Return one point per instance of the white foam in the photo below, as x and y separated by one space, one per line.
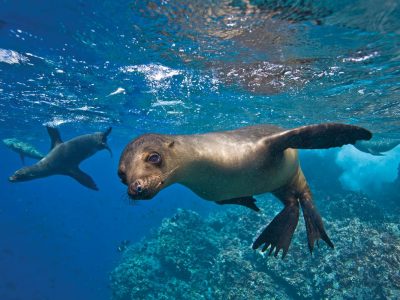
57 121
12 57
167 103
152 72
119 90
361 58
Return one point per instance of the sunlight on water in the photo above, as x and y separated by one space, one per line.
11 57
305 58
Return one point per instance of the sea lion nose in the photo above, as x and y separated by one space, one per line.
136 188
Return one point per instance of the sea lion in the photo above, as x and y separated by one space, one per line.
377 146
230 167
64 158
23 149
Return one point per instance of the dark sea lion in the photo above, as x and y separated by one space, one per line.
64 158
377 147
23 149
230 167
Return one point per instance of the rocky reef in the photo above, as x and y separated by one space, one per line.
190 257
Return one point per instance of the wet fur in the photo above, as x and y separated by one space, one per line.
225 166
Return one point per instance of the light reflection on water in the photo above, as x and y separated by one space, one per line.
186 62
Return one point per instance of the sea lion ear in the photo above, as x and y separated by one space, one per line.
171 144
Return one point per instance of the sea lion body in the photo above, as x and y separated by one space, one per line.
64 158
230 167
233 164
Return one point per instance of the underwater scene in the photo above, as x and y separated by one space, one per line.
180 149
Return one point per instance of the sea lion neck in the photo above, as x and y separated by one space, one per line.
189 152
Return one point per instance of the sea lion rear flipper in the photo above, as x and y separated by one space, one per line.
83 178
318 136
54 136
105 135
278 234
107 132
314 225
249 202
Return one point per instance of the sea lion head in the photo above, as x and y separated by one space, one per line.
23 174
146 165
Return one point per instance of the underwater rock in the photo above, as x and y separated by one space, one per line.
351 205
190 257
123 245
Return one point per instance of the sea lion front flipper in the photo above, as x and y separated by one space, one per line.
318 136
249 202
314 225
54 136
83 178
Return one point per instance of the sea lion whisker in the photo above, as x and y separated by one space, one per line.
167 174
164 176
125 198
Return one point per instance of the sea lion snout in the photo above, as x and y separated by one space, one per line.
144 188
136 188
19 175
12 178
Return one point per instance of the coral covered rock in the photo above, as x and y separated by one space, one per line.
194 258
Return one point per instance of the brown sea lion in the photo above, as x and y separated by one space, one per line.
230 167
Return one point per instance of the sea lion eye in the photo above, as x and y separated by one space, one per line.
154 158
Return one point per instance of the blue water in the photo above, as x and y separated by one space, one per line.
171 67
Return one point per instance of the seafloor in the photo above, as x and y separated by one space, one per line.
191 257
